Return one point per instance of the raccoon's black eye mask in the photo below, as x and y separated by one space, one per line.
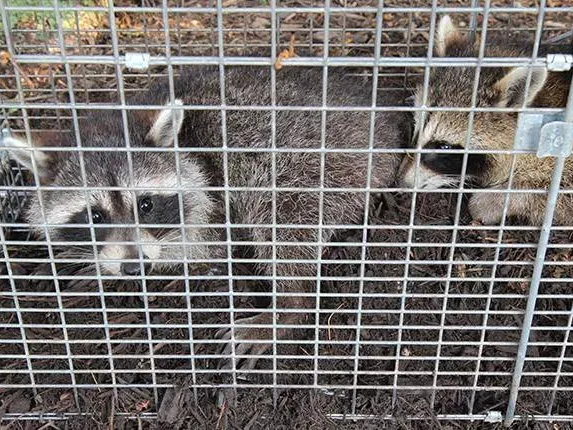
152 209
82 233
451 164
158 209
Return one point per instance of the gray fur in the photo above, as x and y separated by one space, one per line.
247 129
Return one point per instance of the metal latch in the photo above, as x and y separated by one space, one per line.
137 61
546 134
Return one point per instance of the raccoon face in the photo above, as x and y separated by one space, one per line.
117 191
447 132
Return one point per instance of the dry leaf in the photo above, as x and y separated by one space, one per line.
285 54
4 58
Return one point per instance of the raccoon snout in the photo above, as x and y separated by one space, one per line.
134 269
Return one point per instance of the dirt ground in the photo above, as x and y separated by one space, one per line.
419 306
302 408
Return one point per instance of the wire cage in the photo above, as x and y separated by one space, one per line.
412 314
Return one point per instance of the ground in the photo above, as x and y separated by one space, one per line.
466 301
438 318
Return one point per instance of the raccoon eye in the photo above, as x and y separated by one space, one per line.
145 205
440 144
97 217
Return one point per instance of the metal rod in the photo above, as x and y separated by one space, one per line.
297 61
553 194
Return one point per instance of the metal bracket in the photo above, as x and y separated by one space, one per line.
556 140
559 62
493 417
546 134
3 135
137 61
4 157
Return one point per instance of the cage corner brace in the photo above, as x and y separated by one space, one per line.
547 134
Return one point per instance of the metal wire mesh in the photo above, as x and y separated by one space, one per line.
416 313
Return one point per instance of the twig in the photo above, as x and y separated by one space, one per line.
223 408
112 413
330 318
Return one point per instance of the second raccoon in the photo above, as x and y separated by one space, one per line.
445 130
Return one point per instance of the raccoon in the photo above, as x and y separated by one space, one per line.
443 131
153 182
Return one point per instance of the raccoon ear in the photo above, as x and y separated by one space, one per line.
511 87
25 154
447 37
167 125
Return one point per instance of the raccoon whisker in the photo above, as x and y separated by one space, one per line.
80 248
75 248
163 232
81 259
76 251
79 271
451 182
76 269
74 254
87 269
84 272
440 181
170 236
79 255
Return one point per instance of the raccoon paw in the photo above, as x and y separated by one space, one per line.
486 208
242 345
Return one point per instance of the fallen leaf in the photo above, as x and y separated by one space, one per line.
4 58
285 54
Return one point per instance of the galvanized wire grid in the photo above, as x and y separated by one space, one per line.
473 330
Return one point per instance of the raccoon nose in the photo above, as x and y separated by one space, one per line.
134 269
